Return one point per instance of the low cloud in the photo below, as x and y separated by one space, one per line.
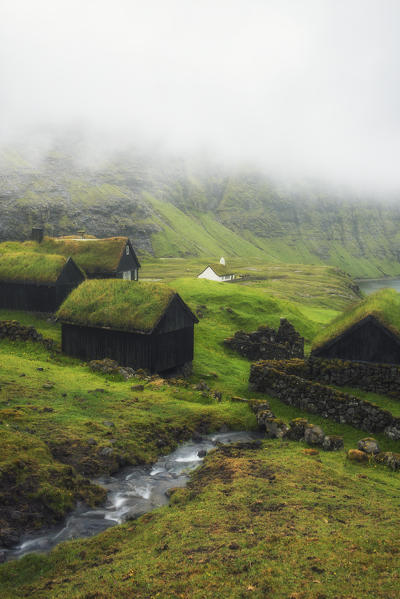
307 88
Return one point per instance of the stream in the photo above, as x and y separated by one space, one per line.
132 492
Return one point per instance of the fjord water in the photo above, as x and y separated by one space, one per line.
132 492
368 286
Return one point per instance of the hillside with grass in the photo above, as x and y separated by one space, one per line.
173 208
277 520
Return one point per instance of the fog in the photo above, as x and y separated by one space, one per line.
298 88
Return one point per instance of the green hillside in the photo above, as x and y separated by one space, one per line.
277 521
179 209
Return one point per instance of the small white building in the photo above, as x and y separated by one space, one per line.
217 272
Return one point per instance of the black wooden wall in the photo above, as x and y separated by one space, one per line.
23 296
368 342
156 352
33 298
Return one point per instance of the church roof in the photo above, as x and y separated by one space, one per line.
219 269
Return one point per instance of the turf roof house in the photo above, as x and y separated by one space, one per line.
146 325
112 257
217 272
32 282
368 331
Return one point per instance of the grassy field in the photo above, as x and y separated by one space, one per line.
268 523
324 287
273 522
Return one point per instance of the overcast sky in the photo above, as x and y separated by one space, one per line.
297 86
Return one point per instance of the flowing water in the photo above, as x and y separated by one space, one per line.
370 285
132 492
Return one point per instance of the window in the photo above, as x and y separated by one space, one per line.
126 274
127 250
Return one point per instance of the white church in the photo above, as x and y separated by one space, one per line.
217 272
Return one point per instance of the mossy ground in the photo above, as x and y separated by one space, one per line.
268 523
272 522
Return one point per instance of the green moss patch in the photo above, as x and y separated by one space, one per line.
93 255
117 304
273 522
384 305
29 267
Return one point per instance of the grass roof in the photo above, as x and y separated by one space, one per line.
117 304
93 255
384 305
220 269
24 267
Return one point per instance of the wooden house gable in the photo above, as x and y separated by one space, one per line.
368 340
70 274
128 259
176 316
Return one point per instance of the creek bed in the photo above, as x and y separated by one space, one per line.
132 492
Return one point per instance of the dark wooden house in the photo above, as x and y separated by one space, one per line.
141 325
29 281
368 332
108 258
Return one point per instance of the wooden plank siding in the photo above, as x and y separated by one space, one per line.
155 352
367 341
29 297
34 297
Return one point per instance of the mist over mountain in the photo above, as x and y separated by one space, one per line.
172 207
261 129
296 89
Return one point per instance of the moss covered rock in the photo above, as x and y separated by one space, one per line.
355 455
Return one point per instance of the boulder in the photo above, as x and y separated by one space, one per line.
237 399
332 443
369 446
392 432
257 405
275 428
313 434
106 452
263 416
355 455
390 459
297 428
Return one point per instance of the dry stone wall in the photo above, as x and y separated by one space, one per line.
268 344
15 331
377 378
314 397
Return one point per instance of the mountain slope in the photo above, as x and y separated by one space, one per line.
171 208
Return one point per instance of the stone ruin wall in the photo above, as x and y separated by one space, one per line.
268 344
368 376
15 331
278 379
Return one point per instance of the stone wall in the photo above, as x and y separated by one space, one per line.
377 378
319 399
15 331
268 344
